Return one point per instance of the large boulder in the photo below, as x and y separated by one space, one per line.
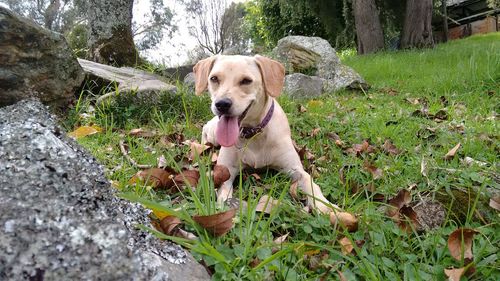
314 55
59 218
144 87
299 85
35 62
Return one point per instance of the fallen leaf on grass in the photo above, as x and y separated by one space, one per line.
139 132
336 139
84 131
315 132
266 204
452 152
408 220
280 239
469 161
346 246
374 171
217 224
169 223
423 167
454 274
155 177
221 175
187 177
459 237
358 149
396 203
301 108
344 220
196 149
254 262
390 148
495 203
304 152
256 176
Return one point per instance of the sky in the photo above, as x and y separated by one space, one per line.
172 51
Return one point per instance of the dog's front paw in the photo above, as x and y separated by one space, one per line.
224 194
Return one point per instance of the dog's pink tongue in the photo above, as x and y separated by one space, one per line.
227 131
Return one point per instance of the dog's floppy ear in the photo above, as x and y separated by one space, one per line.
201 71
273 75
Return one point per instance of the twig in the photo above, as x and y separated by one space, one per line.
129 159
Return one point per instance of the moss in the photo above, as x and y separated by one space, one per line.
459 203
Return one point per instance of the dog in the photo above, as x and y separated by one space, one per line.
249 124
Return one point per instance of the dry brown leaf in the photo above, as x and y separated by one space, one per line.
187 177
454 274
256 176
84 131
390 148
423 167
495 203
452 152
358 149
346 246
301 108
408 220
196 149
374 171
280 239
315 132
455 240
217 224
344 220
139 132
169 223
221 175
396 203
266 204
155 177
254 262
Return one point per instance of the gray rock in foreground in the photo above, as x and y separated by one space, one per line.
35 62
59 218
299 85
316 56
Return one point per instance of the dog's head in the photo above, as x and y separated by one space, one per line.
237 83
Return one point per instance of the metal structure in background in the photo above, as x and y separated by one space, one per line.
464 18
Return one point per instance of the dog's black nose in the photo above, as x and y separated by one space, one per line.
223 105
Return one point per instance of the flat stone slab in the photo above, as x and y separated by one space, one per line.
59 217
146 87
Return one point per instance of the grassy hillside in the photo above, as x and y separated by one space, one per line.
424 102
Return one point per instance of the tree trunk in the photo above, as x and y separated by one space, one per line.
110 35
370 37
417 29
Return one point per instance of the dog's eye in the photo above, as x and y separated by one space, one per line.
214 79
246 81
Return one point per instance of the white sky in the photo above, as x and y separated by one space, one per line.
171 51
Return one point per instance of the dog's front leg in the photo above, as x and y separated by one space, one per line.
230 158
290 164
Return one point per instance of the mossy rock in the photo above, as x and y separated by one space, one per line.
459 203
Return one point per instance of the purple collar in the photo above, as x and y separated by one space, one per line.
248 132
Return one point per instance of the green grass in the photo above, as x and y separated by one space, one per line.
465 72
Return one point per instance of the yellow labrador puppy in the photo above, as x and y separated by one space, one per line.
249 124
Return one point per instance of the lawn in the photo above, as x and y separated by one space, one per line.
424 102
